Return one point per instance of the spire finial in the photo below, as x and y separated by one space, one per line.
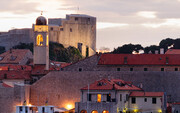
41 12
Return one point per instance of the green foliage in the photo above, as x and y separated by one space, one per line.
24 46
167 43
151 48
2 49
128 49
57 52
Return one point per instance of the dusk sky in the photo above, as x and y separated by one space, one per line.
119 22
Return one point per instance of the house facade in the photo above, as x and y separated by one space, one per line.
118 96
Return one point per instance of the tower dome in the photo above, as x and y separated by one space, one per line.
41 21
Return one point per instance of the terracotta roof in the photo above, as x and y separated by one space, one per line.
6 85
177 103
139 59
39 70
146 94
15 75
16 67
116 84
173 51
13 56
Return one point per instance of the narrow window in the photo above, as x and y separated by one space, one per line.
145 99
70 29
108 97
80 69
127 96
118 69
176 69
61 29
88 97
133 100
98 97
76 18
145 69
120 97
162 69
131 69
87 51
153 100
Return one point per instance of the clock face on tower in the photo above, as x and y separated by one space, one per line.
39 40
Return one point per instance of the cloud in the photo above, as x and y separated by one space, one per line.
18 6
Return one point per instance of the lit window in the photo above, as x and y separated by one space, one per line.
98 97
83 111
39 40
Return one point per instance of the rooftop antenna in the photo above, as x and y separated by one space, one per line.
78 10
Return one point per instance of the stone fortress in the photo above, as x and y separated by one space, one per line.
76 30
62 87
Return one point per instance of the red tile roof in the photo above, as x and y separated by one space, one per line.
116 84
15 67
13 56
39 70
177 103
146 94
173 51
6 85
15 75
139 59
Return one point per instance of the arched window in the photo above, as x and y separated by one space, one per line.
39 40
105 111
83 111
94 111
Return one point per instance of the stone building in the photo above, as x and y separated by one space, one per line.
117 96
127 62
15 36
75 30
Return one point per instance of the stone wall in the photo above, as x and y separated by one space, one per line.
62 88
11 97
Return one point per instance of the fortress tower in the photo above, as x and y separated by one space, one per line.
41 42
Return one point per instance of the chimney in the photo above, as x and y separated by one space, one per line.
161 50
156 52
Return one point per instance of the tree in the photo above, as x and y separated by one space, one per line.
2 49
151 48
165 43
128 49
24 46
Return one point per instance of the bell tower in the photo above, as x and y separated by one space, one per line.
41 42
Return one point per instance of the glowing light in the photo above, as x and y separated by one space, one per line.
135 110
98 97
29 105
147 14
160 111
69 106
